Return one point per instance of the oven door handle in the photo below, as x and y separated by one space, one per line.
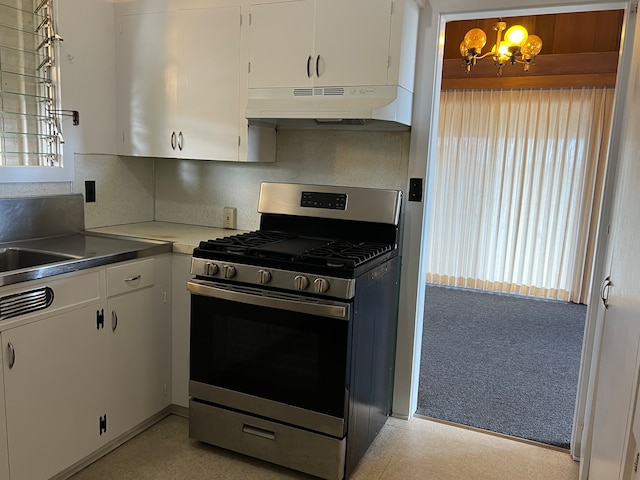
340 311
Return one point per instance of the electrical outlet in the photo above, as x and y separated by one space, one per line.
90 191
229 215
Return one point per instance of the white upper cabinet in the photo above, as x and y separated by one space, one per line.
281 42
180 86
319 43
352 42
146 90
207 70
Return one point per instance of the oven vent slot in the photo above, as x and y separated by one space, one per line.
25 302
319 92
334 91
302 92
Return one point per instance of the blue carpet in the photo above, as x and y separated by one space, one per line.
504 363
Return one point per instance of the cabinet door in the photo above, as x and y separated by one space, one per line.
352 42
146 84
140 360
208 105
280 39
55 392
4 451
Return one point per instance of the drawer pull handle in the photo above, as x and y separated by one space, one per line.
133 279
258 432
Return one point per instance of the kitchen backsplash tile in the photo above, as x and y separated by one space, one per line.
124 189
33 189
195 192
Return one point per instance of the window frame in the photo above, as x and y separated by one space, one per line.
44 174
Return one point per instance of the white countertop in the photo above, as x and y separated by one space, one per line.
184 237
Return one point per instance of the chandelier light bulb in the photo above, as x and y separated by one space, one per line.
463 49
476 39
531 47
516 36
501 54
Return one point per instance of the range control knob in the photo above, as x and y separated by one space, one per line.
320 285
300 282
210 269
228 271
264 276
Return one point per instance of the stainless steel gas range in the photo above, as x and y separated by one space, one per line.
293 328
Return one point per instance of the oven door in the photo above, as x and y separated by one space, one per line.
276 355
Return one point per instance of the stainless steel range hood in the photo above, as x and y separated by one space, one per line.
387 106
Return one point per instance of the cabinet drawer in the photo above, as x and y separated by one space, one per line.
302 450
130 276
34 299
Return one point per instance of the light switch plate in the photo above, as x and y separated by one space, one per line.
229 216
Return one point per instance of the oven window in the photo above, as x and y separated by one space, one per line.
292 358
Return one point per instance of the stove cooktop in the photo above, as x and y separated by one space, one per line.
281 248
310 242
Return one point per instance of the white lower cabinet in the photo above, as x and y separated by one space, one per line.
4 451
77 376
140 344
55 392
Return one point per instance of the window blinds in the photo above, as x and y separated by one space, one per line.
30 133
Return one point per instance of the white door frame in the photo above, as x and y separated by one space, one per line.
423 140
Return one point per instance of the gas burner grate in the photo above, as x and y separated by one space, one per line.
243 242
345 254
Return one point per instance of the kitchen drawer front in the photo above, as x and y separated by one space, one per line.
291 447
130 276
37 299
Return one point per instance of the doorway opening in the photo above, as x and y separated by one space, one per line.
486 252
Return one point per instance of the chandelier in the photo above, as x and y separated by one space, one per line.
516 46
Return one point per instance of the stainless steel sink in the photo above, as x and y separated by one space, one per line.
19 258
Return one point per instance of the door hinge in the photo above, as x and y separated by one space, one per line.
103 424
249 67
99 319
635 462
634 7
392 2
241 20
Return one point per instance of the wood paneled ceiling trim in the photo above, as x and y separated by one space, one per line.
579 49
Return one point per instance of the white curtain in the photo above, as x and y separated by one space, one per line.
516 178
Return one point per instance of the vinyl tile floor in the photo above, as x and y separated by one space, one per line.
404 450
